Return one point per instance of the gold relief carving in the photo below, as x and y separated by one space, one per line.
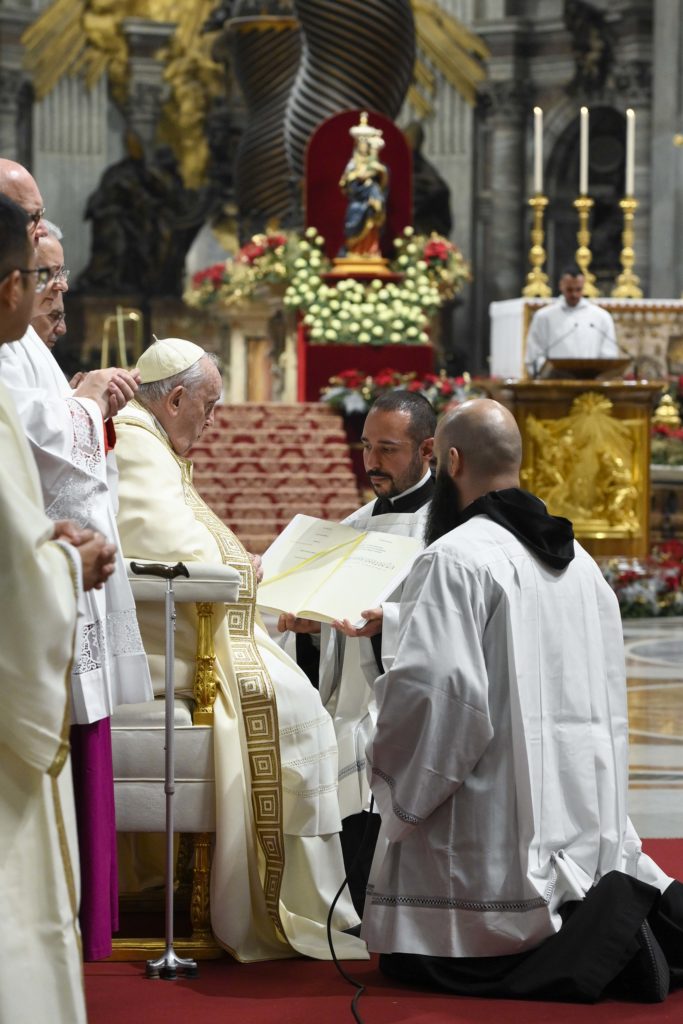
199 904
585 466
205 681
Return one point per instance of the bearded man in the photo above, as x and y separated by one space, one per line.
397 440
277 862
506 864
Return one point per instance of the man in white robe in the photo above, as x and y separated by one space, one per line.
506 864
397 440
41 575
277 862
570 328
70 442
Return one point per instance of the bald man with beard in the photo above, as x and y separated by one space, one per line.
506 864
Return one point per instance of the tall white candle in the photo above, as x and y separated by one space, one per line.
538 151
630 151
583 153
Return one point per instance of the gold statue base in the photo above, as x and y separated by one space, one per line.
358 265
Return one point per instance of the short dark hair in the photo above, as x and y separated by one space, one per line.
571 271
15 245
420 410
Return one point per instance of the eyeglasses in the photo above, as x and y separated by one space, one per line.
56 317
35 219
59 274
42 276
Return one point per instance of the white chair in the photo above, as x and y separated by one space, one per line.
138 756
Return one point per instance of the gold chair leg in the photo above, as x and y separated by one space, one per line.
199 905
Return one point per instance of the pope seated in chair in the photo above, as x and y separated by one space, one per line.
277 862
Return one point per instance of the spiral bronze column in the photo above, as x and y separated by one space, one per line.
264 50
356 54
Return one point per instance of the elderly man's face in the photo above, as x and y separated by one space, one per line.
51 254
51 326
21 187
189 412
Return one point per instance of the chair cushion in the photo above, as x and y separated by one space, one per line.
138 749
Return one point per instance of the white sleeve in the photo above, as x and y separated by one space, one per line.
433 721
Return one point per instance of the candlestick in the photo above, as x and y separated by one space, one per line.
630 152
583 153
583 206
538 151
627 285
536 279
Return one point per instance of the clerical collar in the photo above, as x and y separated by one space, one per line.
551 538
409 500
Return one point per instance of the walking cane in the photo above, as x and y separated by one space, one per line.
169 965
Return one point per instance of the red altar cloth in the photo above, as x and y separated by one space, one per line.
317 363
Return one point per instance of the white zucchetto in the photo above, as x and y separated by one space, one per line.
165 358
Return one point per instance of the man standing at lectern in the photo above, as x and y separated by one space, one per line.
570 328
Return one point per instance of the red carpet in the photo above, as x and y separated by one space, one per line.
309 992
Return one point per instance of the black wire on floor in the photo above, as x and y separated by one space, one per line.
345 975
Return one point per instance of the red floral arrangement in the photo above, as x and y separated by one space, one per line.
354 391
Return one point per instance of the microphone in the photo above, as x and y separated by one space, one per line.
538 364
613 339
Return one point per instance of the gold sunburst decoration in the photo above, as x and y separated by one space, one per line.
86 38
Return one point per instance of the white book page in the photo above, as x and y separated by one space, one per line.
366 577
299 561
327 571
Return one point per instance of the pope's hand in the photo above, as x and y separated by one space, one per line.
76 379
97 561
297 625
373 618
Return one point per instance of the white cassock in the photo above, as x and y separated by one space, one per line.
276 859
78 479
583 331
40 965
499 762
348 669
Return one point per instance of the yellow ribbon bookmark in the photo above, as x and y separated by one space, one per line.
353 543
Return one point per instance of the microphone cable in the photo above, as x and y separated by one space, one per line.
359 986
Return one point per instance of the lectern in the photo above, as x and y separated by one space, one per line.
587 451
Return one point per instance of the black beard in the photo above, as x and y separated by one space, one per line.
445 508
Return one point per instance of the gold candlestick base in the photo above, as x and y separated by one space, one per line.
627 285
536 280
583 206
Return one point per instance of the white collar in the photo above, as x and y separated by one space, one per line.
415 487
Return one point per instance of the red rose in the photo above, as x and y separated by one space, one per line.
437 250
274 241
415 385
250 252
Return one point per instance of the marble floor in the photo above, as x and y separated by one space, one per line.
654 668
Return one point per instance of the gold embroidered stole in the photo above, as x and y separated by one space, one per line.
255 687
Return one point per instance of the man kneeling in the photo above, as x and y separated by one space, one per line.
506 864
277 863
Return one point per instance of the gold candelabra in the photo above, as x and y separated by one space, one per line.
627 285
583 206
537 279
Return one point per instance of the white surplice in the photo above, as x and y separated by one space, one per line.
40 965
583 331
163 518
66 435
500 757
348 668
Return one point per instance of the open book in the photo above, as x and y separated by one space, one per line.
324 571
